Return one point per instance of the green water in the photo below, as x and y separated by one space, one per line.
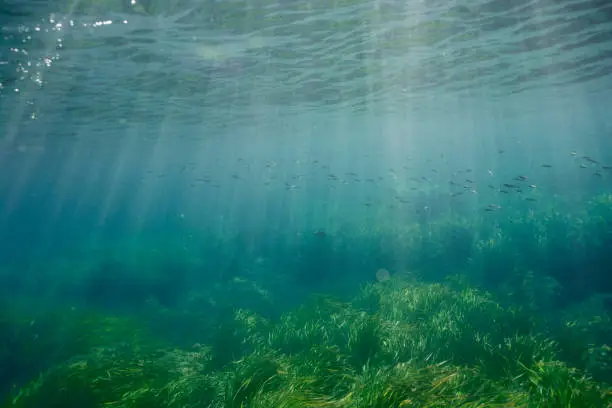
305 204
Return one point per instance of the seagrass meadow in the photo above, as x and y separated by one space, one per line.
305 203
501 323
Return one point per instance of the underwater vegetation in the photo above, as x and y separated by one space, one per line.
495 311
539 255
398 343
150 263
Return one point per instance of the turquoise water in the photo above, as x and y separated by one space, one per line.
179 162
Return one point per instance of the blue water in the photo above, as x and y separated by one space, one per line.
153 149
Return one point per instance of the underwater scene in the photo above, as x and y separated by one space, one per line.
305 203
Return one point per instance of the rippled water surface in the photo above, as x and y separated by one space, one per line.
223 61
